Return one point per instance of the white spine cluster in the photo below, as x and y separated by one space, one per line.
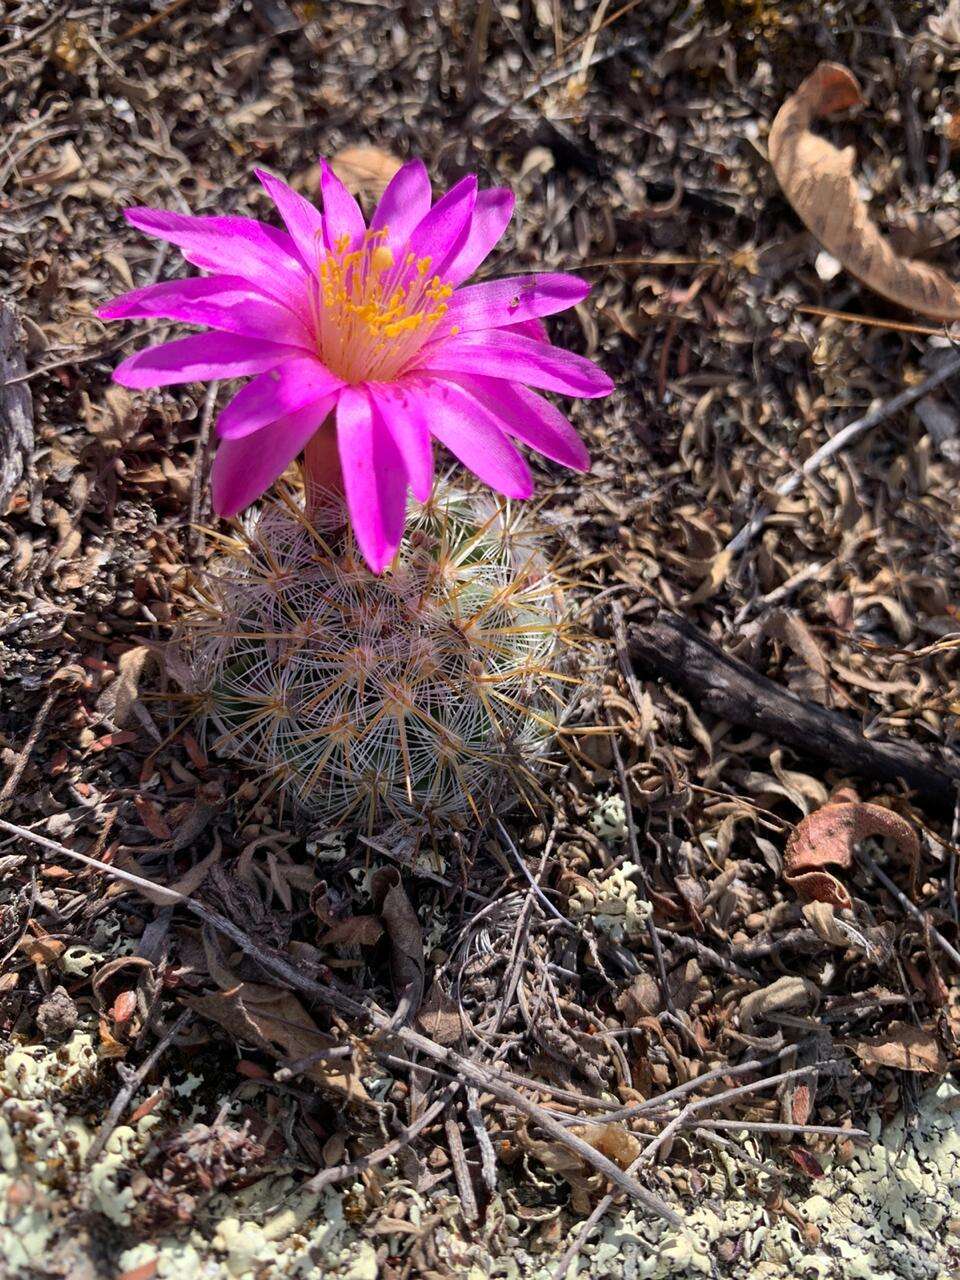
411 695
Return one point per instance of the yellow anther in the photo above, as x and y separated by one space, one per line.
381 259
369 306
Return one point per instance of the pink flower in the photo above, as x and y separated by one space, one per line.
369 327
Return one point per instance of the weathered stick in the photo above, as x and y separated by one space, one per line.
671 648
489 1079
16 406
846 436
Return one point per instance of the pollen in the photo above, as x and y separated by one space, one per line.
373 312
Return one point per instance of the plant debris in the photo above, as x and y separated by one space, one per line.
608 1028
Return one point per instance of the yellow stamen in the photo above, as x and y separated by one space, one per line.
373 314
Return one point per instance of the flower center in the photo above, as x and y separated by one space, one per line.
373 313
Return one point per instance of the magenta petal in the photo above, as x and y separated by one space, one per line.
342 218
405 415
301 218
496 354
530 418
403 204
534 329
374 478
441 234
491 216
222 302
204 357
237 246
513 300
273 395
474 435
243 469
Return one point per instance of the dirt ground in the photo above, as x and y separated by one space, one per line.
664 946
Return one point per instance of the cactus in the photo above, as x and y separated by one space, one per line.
414 695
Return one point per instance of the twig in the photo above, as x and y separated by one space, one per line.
947 947
458 1158
81 357
533 884
694 1108
669 647
488 1159
520 935
131 1085
634 43
195 540
909 115
694 947
340 1172
20 764
589 1226
28 37
468 1071
635 857
853 431
156 893
139 28
604 1204
771 1126
300 1065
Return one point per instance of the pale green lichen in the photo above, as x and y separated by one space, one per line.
612 901
892 1213
609 819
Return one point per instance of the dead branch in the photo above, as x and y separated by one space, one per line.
285 971
670 648
131 1085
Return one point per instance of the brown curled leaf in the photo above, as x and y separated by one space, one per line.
365 171
407 964
903 1047
829 837
818 180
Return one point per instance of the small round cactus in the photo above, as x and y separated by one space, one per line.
413 695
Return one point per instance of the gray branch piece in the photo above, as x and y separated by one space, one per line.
16 405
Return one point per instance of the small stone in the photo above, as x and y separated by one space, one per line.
57 1016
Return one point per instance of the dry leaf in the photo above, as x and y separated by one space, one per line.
788 993
439 1017
191 880
903 1047
406 937
365 171
146 1271
357 931
560 1160
611 1140
276 1022
829 836
109 970
821 919
43 950
717 575
817 178
946 26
